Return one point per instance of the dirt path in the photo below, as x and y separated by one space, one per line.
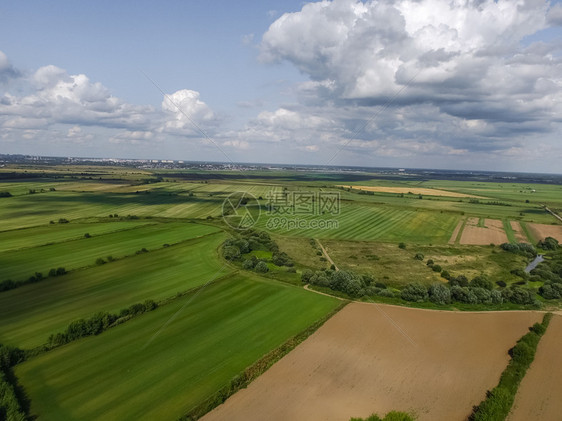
554 214
538 397
370 358
455 233
326 253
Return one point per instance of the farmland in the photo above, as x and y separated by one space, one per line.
32 312
542 383
122 374
16 264
437 365
224 298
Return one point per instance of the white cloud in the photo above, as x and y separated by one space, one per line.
461 63
54 97
184 111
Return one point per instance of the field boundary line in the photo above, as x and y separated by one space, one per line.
258 368
553 213
307 287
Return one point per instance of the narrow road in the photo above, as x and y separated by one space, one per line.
326 253
554 214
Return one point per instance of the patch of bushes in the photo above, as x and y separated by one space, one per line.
520 248
8 284
391 416
5 194
98 323
499 400
439 294
415 292
10 406
549 243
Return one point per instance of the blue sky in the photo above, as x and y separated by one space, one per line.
479 82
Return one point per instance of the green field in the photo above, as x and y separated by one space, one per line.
216 318
122 375
56 233
372 223
32 312
20 264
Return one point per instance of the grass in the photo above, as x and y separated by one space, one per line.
42 235
20 264
121 375
509 231
395 267
31 313
374 223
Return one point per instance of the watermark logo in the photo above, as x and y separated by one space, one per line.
302 203
302 210
241 210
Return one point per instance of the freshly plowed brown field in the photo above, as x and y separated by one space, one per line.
376 358
518 231
493 232
541 231
539 396
413 190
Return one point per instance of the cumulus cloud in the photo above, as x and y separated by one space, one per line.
7 71
465 78
54 97
185 112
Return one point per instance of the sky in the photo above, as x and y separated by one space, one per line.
450 84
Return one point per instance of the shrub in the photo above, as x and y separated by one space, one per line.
551 291
460 280
429 262
231 253
402 245
437 268
440 294
518 295
414 291
100 261
386 293
261 267
463 295
87 235
445 274
306 275
501 284
291 269
380 285
549 243
249 264
483 296
482 282
419 256
496 297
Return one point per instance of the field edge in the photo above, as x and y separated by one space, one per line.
258 368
